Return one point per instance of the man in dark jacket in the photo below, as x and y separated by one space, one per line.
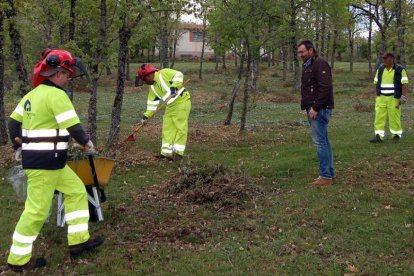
317 100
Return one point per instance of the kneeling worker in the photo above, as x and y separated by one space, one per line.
44 120
163 84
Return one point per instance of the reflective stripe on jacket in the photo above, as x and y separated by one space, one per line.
392 85
45 113
161 89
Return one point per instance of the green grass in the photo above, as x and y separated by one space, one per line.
366 219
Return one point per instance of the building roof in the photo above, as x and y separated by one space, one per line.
191 26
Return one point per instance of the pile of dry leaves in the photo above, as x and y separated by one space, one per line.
174 211
224 189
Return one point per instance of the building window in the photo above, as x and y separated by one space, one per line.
196 36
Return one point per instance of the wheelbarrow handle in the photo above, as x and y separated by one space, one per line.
100 191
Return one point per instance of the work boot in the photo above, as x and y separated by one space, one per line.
78 249
377 139
163 157
396 138
32 264
322 182
177 157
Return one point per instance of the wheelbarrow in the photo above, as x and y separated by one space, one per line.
94 173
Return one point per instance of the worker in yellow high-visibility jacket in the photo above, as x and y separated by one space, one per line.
163 84
43 121
391 85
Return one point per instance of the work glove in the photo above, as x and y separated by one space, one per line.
144 120
90 147
403 99
18 154
173 92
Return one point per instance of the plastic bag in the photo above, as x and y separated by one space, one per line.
18 179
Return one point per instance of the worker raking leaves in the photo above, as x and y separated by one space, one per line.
167 85
40 127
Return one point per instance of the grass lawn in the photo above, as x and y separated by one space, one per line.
363 224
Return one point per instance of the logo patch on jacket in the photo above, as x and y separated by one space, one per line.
27 106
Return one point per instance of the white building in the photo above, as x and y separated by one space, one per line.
190 43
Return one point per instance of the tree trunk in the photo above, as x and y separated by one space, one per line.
98 55
401 32
323 34
370 45
243 118
200 72
216 59
224 66
24 86
3 128
235 59
284 61
334 45
164 48
174 52
62 26
236 87
383 46
72 20
328 47
383 41
124 36
269 58
253 59
254 74
153 54
351 49
293 29
317 30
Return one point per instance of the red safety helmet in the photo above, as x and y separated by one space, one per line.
52 62
145 70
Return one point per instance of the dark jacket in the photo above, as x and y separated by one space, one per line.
317 89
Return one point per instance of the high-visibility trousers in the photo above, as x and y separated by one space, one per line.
175 128
387 105
40 191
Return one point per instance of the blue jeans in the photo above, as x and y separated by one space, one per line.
320 139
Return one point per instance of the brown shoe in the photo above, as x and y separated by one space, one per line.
333 179
78 249
32 264
322 182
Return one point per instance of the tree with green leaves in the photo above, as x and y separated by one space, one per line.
131 15
15 37
383 14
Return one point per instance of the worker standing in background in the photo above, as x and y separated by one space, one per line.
317 100
391 85
43 121
163 84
